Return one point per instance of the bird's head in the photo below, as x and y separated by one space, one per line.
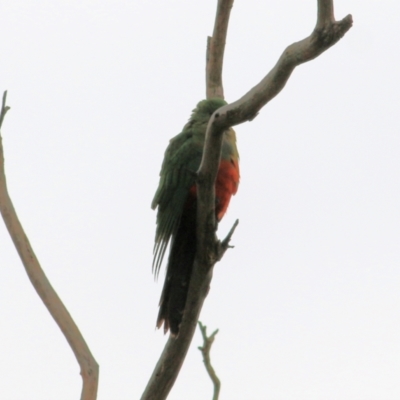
205 109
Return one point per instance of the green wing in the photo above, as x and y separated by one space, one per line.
181 160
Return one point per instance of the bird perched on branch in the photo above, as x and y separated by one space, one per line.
176 202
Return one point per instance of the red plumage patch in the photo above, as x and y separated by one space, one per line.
226 185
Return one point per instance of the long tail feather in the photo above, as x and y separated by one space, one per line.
179 271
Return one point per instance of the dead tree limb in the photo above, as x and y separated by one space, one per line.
205 351
87 363
326 33
216 49
170 362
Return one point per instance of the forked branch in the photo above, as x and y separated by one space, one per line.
205 351
326 33
87 363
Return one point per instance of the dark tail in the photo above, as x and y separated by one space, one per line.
179 271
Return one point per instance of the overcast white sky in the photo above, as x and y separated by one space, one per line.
308 301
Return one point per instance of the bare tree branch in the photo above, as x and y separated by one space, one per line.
4 109
87 363
327 32
205 351
215 50
170 362
324 36
325 13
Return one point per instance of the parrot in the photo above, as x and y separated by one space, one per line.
175 199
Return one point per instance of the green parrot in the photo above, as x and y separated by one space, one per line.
176 202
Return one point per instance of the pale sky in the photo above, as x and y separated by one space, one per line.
308 301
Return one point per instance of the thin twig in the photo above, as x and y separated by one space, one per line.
87 363
205 351
225 242
4 109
